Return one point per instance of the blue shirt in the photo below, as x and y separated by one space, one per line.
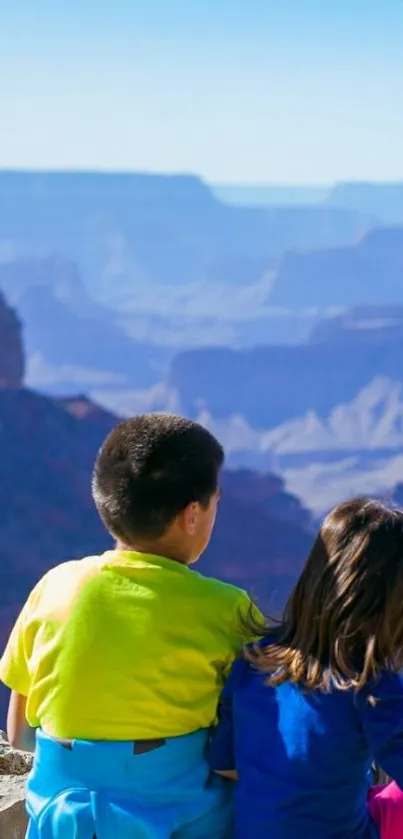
304 758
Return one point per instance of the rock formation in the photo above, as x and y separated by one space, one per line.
11 350
368 271
269 385
14 768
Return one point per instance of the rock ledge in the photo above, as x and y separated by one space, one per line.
14 768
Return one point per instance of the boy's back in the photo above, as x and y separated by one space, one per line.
120 659
124 646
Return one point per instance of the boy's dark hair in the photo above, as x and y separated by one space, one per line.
343 623
149 469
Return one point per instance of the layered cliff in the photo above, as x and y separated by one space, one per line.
270 385
366 271
11 350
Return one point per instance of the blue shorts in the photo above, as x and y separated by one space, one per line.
108 791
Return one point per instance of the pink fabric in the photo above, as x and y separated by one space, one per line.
385 803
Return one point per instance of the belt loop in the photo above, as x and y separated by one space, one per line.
64 742
142 747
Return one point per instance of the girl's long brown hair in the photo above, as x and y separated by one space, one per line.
343 623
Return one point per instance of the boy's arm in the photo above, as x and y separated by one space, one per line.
251 623
19 734
246 624
14 672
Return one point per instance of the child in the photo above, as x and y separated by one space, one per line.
118 660
320 696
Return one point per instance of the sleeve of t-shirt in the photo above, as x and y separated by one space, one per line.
383 723
240 635
221 754
14 663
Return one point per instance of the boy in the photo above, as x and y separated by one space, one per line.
118 660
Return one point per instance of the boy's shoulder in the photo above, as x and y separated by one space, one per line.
225 594
228 608
64 577
73 568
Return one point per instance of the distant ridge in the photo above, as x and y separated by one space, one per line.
384 200
270 194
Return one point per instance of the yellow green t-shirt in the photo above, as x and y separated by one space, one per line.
124 646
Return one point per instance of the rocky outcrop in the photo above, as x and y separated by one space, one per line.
59 274
270 385
14 768
11 350
368 271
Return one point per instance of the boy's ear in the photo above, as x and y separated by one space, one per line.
190 514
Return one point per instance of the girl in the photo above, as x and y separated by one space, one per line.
320 697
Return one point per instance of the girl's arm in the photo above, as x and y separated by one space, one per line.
20 735
221 755
383 723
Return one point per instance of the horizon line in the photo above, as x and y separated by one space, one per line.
153 173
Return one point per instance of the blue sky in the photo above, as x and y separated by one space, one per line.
286 91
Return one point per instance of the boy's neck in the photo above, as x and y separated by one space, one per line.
160 547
